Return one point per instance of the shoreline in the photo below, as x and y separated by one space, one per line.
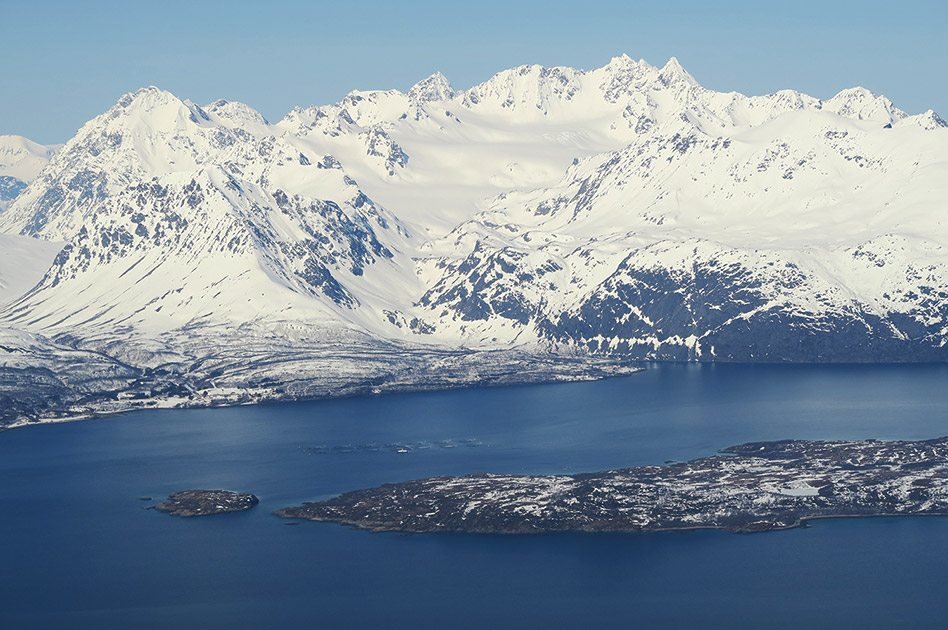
157 404
802 524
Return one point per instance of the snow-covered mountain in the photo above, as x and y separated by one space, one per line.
622 211
23 261
21 160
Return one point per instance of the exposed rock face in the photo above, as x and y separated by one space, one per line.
205 502
757 487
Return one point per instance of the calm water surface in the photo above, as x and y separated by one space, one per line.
80 551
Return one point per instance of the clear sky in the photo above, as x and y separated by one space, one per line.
66 62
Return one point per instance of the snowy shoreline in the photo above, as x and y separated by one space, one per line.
236 396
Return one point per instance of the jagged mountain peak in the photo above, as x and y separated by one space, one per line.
149 99
934 119
623 63
434 88
146 94
927 120
355 96
535 72
624 77
855 92
528 87
860 103
145 112
147 135
673 72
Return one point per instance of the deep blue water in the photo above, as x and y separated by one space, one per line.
78 549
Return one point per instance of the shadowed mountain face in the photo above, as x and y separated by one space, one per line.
624 211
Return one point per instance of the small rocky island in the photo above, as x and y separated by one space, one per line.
752 487
205 502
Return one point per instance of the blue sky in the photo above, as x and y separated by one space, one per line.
66 62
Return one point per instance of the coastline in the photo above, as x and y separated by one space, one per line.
244 397
801 524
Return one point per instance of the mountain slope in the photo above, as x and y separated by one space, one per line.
173 215
612 257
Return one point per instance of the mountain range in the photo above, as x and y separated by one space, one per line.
547 223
